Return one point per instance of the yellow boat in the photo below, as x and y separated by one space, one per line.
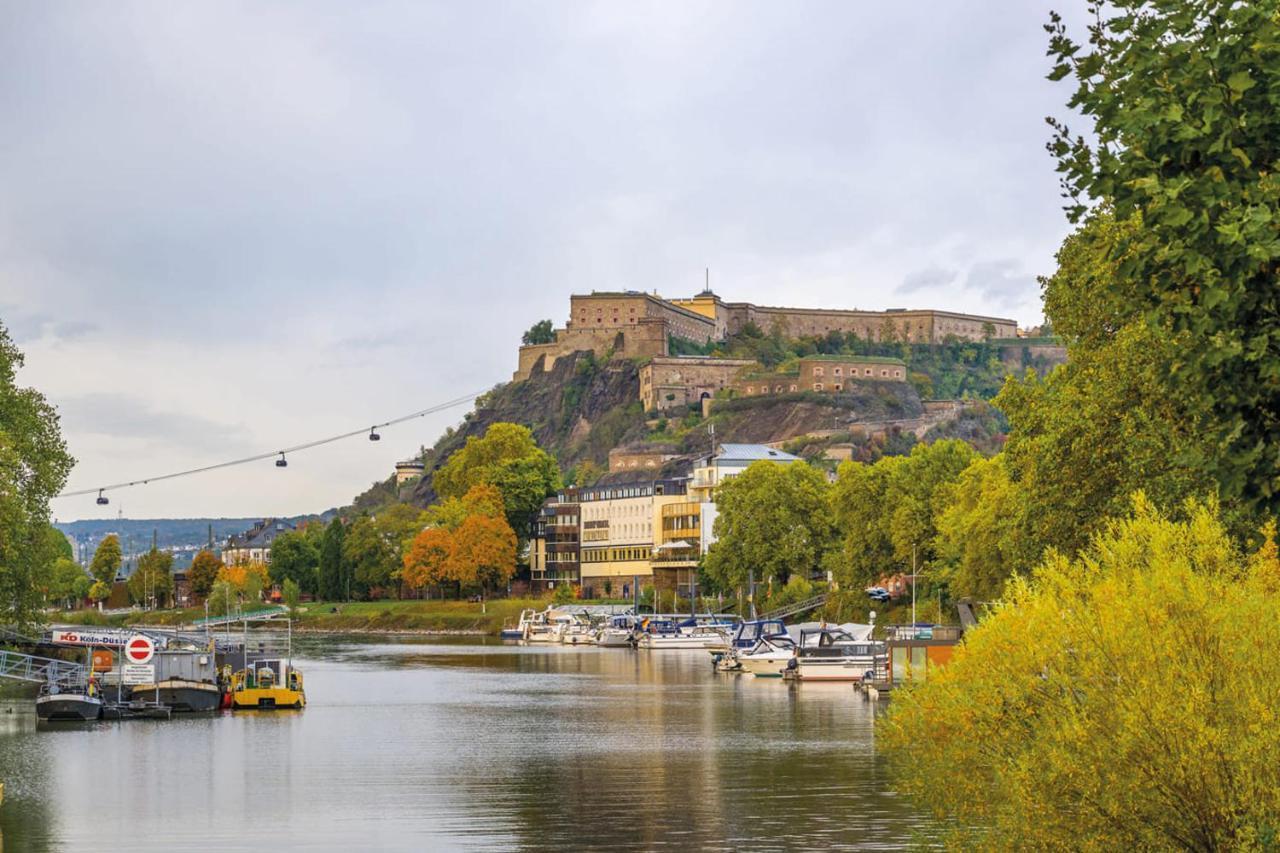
266 685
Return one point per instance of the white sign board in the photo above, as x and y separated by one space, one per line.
138 673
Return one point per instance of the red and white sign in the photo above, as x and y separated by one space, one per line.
139 649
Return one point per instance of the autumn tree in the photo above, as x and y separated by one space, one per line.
980 541
427 560
246 581
483 553
506 457
106 560
1181 105
34 465
481 499
151 583
203 572
774 518
1136 718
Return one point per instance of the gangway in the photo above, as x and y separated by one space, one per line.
20 667
795 609
246 616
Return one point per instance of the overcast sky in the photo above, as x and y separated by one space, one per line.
226 227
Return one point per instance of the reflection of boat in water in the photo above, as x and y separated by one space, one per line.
268 685
60 703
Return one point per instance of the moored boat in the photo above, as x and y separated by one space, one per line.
687 635
833 654
267 685
769 657
69 703
181 694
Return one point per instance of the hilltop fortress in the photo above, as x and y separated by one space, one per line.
634 324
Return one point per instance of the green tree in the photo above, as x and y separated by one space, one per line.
333 573
151 583
507 457
294 556
106 559
34 465
99 591
222 597
1133 719
859 500
980 541
1181 99
772 517
203 572
67 583
372 556
541 332
292 594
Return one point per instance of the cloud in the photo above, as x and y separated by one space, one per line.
1002 282
136 419
927 278
26 327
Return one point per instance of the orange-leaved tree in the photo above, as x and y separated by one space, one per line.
427 559
484 552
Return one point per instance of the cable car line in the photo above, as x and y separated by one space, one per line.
279 455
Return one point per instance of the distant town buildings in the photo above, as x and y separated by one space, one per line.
648 532
254 545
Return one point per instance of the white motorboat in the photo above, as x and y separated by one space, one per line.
704 637
536 628
832 654
575 630
769 657
620 633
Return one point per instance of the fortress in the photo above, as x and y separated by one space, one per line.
635 324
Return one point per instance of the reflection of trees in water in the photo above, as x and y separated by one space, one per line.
660 751
26 817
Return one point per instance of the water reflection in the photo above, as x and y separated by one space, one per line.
449 745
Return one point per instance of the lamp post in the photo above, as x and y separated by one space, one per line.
913 589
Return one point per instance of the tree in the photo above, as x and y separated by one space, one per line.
484 553
295 557
482 499
292 594
246 581
222 595
333 570
99 591
859 502
34 465
370 553
1114 701
203 572
67 584
506 457
774 518
980 541
427 559
540 332
1181 98
151 583
106 559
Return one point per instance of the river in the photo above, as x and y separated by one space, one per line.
426 745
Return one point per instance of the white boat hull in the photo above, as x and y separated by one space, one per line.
833 670
616 639
657 643
764 666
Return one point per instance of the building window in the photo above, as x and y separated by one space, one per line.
838 387
817 371
884 373
897 374
817 386
868 371
793 388
836 371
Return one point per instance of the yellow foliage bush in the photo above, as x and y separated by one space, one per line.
1125 700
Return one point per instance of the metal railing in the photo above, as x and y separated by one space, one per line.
793 609
20 667
246 616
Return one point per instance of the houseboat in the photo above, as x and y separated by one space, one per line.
834 654
69 703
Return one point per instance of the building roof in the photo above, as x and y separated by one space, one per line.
411 463
261 535
849 359
753 453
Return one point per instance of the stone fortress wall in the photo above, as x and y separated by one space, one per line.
635 324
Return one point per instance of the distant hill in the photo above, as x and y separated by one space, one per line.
183 536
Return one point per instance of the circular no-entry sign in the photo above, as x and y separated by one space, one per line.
139 649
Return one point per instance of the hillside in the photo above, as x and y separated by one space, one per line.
585 405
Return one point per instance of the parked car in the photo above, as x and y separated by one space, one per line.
878 593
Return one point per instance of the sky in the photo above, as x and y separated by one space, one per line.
231 227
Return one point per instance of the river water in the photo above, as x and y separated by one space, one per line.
436 745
